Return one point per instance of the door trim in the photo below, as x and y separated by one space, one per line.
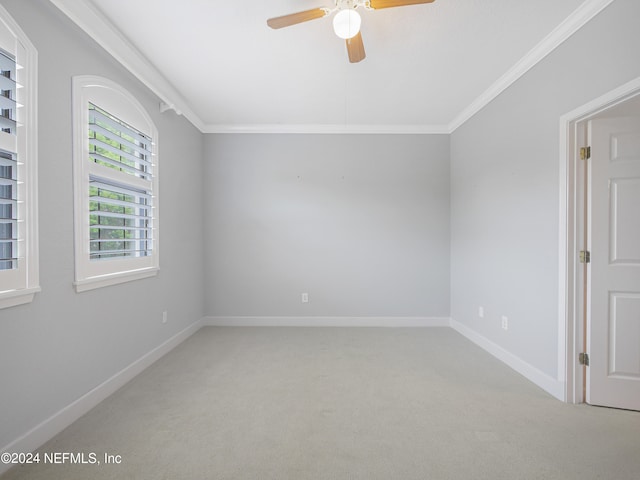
570 310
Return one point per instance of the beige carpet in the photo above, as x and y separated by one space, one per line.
341 403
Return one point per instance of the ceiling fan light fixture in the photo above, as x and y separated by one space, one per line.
346 23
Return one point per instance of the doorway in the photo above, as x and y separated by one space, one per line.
602 248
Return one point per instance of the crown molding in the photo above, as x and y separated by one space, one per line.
90 19
329 129
562 32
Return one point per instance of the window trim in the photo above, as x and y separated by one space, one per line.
118 101
28 281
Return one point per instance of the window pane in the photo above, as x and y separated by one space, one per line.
8 211
120 221
114 144
7 93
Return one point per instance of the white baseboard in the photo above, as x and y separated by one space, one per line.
549 384
50 427
326 321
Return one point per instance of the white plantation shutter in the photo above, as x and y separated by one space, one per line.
8 211
9 232
117 145
8 98
120 221
120 213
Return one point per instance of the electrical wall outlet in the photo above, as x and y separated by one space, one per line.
164 317
481 312
304 297
505 323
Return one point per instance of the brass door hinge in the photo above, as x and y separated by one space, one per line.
585 256
583 358
585 153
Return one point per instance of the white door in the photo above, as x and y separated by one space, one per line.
613 330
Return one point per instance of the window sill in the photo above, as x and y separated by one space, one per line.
12 298
113 279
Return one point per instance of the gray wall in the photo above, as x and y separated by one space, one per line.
505 184
360 222
64 344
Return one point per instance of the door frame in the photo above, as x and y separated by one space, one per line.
571 331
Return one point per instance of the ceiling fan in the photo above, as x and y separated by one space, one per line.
346 22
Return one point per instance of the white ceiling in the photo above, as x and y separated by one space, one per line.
426 64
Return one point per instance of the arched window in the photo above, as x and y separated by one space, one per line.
115 180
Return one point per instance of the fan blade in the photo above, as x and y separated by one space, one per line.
378 4
355 48
294 18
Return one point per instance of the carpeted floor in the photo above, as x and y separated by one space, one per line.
340 403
